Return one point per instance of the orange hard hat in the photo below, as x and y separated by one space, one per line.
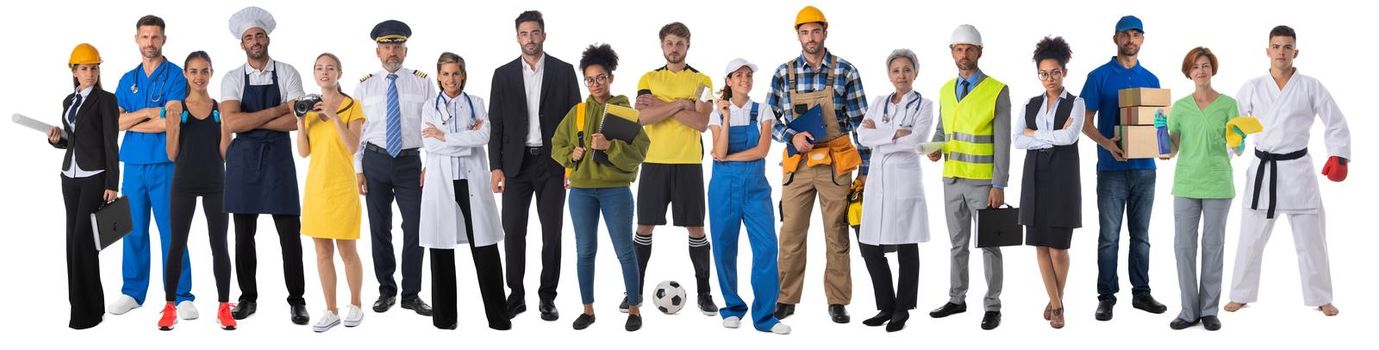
84 54
810 14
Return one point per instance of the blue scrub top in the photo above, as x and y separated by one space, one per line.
1102 94
138 91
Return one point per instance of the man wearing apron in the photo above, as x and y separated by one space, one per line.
823 165
260 177
388 164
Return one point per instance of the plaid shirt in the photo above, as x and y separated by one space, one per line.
848 98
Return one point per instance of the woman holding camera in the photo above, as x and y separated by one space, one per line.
329 135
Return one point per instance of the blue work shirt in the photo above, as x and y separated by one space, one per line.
137 91
1101 93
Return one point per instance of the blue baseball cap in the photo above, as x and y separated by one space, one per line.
1128 23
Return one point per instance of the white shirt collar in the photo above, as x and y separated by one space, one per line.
86 92
540 64
267 67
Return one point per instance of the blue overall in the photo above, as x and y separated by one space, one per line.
739 194
260 176
148 179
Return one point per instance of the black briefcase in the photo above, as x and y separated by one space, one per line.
111 222
999 227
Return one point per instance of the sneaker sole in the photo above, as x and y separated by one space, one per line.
320 329
168 328
122 312
709 313
353 323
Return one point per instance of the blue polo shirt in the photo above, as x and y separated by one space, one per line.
138 91
1101 93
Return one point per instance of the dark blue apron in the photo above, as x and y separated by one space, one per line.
260 176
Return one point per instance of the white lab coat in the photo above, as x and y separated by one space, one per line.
1287 117
893 208
442 224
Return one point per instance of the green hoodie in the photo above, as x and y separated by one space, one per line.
588 173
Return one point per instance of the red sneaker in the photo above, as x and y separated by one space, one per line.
169 318
225 318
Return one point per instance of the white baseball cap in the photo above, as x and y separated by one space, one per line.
738 63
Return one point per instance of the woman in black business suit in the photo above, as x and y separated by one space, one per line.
90 174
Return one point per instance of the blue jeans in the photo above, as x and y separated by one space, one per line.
616 205
1130 192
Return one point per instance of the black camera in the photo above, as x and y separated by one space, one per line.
306 104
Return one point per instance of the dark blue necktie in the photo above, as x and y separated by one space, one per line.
72 112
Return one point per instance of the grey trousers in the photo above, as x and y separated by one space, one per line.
961 199
1199 298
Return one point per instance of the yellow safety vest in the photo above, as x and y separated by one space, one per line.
969 140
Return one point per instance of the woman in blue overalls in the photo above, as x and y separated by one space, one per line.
739 194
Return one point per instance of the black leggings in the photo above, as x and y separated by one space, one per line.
183 208
888 299
247 262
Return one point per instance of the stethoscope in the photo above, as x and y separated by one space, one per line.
156 98
445 113
886 109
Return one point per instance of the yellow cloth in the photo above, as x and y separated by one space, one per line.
330 203
671 141
1247 125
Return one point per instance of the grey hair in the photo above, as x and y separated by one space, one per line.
903 53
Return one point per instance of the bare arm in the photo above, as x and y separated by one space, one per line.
759 152
303 140
174 129
270 118
696 118
349 133
651 110
128 119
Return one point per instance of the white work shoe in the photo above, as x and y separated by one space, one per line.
353 316
187 310
123 304
780 328
327 321
732 322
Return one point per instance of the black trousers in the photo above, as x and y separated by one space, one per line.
81 197
183 208
488 267
246 256
391 178
543 178
889 298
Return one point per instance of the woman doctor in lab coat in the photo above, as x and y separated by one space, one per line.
456 204
894 215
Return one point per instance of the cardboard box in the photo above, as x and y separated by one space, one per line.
1141 115
1139 141
1145 97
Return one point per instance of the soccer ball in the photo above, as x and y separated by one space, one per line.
669 297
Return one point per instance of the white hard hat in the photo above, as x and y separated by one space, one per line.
966 34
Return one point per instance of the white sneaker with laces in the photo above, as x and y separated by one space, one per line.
732 322
780 328
328 320
187 310
353 316
123 304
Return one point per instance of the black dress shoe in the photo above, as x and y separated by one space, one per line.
501 325
1103 309
898 321
991 320
1211 323
244 309
583 321
784 310
634 322
948 309
548 311
838 313
515 306
622 307
1147 303
415 304
384 303
299 315
707 306
880 319
1179 323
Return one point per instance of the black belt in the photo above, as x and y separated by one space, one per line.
1271 160
405 152
537 151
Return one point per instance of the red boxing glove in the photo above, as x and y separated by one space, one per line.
1335 169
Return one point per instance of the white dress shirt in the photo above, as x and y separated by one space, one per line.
413 90
1048 135
531 80
74 170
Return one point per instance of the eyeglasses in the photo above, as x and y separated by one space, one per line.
601 79
1054 74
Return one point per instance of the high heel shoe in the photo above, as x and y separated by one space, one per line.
1056 318
1047 309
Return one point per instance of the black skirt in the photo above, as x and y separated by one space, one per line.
1050 237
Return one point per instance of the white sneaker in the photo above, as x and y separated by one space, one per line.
187 310
732 322
353 316
123 304
327 321
780 328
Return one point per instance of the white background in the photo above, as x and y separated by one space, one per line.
1330 38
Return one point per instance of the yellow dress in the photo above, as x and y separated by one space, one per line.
330 204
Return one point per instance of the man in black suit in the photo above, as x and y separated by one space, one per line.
530 96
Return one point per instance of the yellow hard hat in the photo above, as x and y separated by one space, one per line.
810 14
84 54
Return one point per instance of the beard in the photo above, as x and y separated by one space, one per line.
392 64
675 59
151 52
965 64
531 49
812 51
257 52
1128 50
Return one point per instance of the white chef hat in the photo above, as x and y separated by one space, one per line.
251 17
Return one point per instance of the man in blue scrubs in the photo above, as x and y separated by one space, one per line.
147 170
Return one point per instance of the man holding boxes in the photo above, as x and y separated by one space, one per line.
1123 185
